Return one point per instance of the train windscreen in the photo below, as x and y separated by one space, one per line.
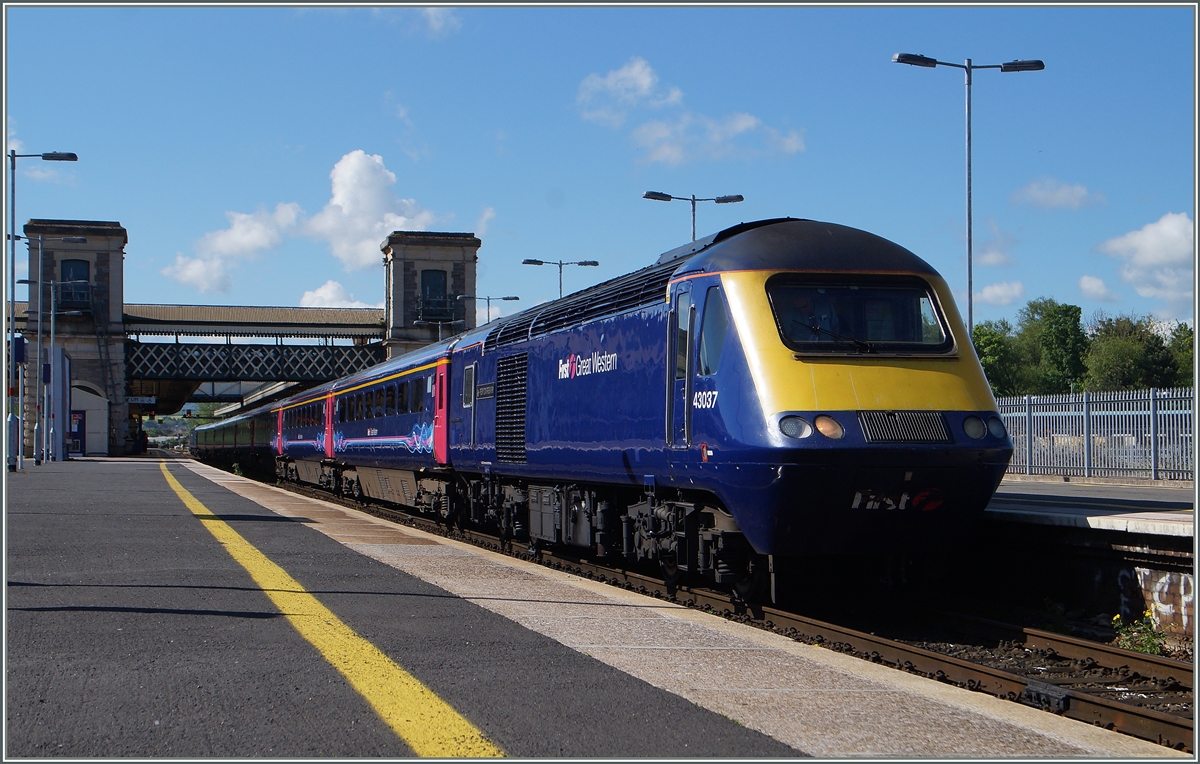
897 315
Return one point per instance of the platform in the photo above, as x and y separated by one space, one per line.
1152 510
132 631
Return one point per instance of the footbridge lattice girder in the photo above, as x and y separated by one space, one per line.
249 363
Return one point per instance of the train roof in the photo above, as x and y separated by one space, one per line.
776 244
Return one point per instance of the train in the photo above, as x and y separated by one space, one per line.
781 389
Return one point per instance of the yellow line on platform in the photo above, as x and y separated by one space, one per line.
429 725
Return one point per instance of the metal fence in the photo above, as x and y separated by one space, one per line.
1139 433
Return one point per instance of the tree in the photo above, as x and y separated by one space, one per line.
996 347
1051 342
1063 347
1182 346
1126 353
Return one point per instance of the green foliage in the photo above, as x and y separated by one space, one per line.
996 346
1049 352
1143 636
1182 346
1127 353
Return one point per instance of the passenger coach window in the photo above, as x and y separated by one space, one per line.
468 386
418 395
402 397
389 406
712 331
872 315
684 311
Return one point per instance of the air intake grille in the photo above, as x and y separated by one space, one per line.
511 374
904 427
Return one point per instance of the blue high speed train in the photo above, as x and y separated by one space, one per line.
781 388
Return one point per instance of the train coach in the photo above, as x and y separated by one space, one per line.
783 388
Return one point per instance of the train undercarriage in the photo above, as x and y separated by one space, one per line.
688 538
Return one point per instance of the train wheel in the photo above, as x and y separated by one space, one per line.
668 565
751 583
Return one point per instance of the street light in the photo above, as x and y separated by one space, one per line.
560 264
12 421
42 370
658 196
489 302
1025 65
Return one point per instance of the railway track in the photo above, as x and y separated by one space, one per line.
1091 682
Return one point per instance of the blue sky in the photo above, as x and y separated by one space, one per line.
257 156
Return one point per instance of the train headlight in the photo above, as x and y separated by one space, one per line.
996 427
795 427
829 427
974 427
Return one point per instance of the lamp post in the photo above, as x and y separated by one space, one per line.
12 419
1026 65
658 196
489 299
560 264
52 453
38 430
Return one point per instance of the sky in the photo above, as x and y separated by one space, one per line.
258 156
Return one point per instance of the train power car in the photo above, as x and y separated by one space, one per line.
782 388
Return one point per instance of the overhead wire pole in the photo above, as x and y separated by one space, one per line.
1025 65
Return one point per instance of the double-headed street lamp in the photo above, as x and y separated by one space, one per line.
1027 65
658 196
43 370
12 420
489 299
560 264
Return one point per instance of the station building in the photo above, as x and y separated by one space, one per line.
95 399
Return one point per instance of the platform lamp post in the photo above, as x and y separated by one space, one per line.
658 196
52 452
43 369
12 419
1027 65
488 299
560 264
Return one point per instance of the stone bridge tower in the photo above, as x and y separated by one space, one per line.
87 397
425 274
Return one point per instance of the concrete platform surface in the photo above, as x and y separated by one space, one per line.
816 701
1153 510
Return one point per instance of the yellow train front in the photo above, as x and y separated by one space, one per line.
846 411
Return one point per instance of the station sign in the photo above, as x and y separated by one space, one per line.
142 399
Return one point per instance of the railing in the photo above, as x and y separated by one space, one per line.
1139 433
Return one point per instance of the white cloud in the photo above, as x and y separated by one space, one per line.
363 210
605 99
206 275
995 249
1094 288
248 234
332 294
481 225
441 21
1003 293
14 143
679 135
1159 260
1049 193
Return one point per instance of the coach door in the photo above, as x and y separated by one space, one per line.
330 406
680 326
441 396
279 431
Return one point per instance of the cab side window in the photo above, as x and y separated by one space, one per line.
712 331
